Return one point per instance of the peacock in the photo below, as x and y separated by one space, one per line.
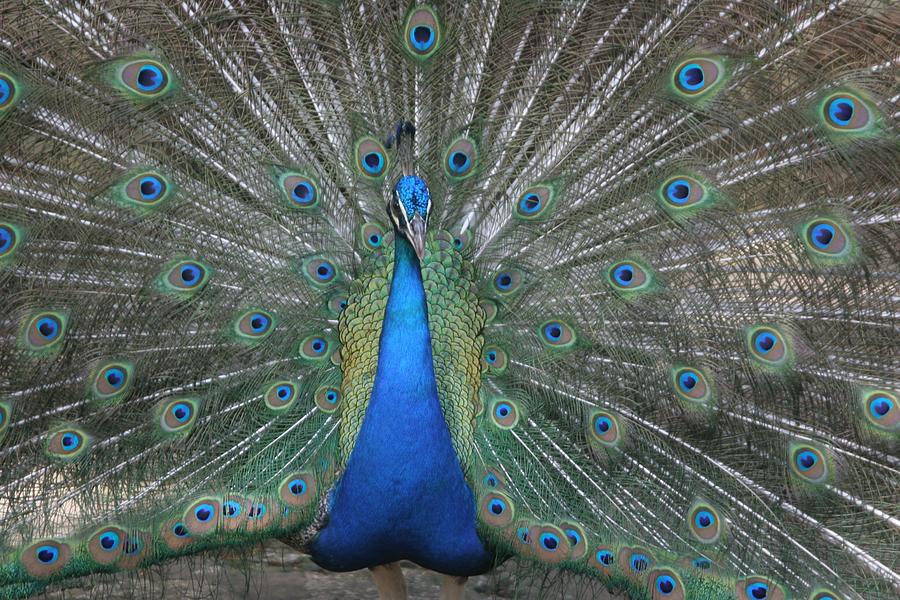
608 290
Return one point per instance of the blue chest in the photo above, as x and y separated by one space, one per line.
403 494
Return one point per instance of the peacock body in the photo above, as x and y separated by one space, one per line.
609 289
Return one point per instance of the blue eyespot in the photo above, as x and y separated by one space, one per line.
691 77
530 203
522 534
47 554
151 187
821 235
257 511
623 274
503 281
602 425
297 487
639 563
549 541
150 78
758 591
665 585
502 410
458 162
574 536
259 323
421 37
701 562
687 381
764 342
806 460
553 332
204 512
109 541
491 356
879 406
840 110
318 345
324 271
231 509
704 519
182 411
489 480
6 239
303 193
605 557
678 191
373 163
497 506
283 391
331 396
48 328
180 530
5 91
70 441
133 545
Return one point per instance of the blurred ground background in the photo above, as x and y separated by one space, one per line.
274 571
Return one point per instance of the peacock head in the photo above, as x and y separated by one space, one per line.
409 209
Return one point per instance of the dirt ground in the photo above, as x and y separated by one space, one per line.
277 572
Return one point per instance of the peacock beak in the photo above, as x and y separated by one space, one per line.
416 235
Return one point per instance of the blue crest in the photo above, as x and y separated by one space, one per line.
413 193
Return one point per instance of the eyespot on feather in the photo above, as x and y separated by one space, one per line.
704 522
846 112
203 516
825 594
758 588
319 271
281 395
665 584
767 346
106 545
254 325
175 534
145 78
577 540
44 331
5 417
147 189
328 399
44 558
690 384
178 415
494 360
496 509
808 463
627 276
557 335
881 408
371 236
371 158
551 545
9 91
136 547
315 348
422 34
507 282
827 240
67 443
460 159
10 240
298 490
184 278
605 428
603 559
697 77
337 303
636 562
299 190
504 413
682 193
112 381
535 203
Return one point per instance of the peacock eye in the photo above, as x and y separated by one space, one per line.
67 444
459 160
7 239
504 414
319 271
628 277
280 395
824 236
45 330
145 77
7 91
557 334
758 591
681 192
231 509
254 324
314 348
808 463
639 563
422 32
177 416
147 189
112 381
371 157
691 384
882 409
767 345
187 276
372 236
605 557
300 190
297 489
665 585
604 428
696 76
507 282
846 112
549 541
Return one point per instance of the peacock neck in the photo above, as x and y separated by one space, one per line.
403 494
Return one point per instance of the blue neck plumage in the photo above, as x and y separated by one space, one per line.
403 494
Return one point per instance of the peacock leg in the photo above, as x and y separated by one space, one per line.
389 581
453 587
